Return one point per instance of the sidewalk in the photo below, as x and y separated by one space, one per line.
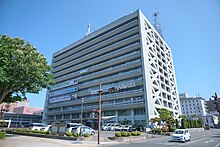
27 141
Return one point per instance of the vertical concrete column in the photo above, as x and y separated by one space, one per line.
116 114
132 116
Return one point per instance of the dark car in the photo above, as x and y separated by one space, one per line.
136 128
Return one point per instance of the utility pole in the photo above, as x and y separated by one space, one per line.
99 112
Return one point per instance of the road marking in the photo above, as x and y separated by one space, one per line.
207 142
196 140
217 145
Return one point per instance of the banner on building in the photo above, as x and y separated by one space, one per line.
63 98
63 91
64 84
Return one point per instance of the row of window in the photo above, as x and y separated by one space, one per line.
74 74
117 47
127 112
96 38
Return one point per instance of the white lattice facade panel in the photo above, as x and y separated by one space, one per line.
161 86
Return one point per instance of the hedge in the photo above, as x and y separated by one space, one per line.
86 135
2 135
69 134
118 134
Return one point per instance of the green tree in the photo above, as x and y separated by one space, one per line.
22 69
165 116
177 123
155 120
184 124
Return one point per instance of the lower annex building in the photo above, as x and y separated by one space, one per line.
131 61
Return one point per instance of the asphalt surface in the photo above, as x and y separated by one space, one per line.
210 138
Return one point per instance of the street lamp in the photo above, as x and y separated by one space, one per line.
82 100
99 112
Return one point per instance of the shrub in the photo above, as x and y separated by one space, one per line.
75 135
18 130
134 133
124 134
129 134
2 135
157 131
69 133
172 129
41 132
48 132
35 131
86 135
138 133
118 134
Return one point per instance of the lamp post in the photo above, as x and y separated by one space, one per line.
82 100
99 112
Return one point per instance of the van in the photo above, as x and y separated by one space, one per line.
37 126
69 126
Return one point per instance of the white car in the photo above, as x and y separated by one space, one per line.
70 126
83 129
37 126
182 135
47 128
112 127
105 127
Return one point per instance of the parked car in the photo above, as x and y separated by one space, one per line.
37 126
83 130
47 128
105 126
119 128
69 126
112 127
125 128
182 135
136 128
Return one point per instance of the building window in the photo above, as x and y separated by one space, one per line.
109 113
124 113
139 111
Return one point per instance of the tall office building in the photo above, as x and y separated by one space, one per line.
131 61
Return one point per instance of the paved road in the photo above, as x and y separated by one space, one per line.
209 138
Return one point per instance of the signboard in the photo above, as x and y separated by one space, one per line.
63 98
63 91
64 84
113 89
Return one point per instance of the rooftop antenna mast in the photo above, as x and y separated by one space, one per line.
88 29
156 22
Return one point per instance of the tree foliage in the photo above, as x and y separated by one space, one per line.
22 69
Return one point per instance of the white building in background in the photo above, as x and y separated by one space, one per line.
192 105
132 62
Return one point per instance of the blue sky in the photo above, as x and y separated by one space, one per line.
190 27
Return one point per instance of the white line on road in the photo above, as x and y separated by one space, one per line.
217 145
196 140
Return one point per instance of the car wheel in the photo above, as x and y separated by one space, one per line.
92 133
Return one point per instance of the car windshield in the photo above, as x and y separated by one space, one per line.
178 132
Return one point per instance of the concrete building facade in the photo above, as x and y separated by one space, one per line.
131 61
193 105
